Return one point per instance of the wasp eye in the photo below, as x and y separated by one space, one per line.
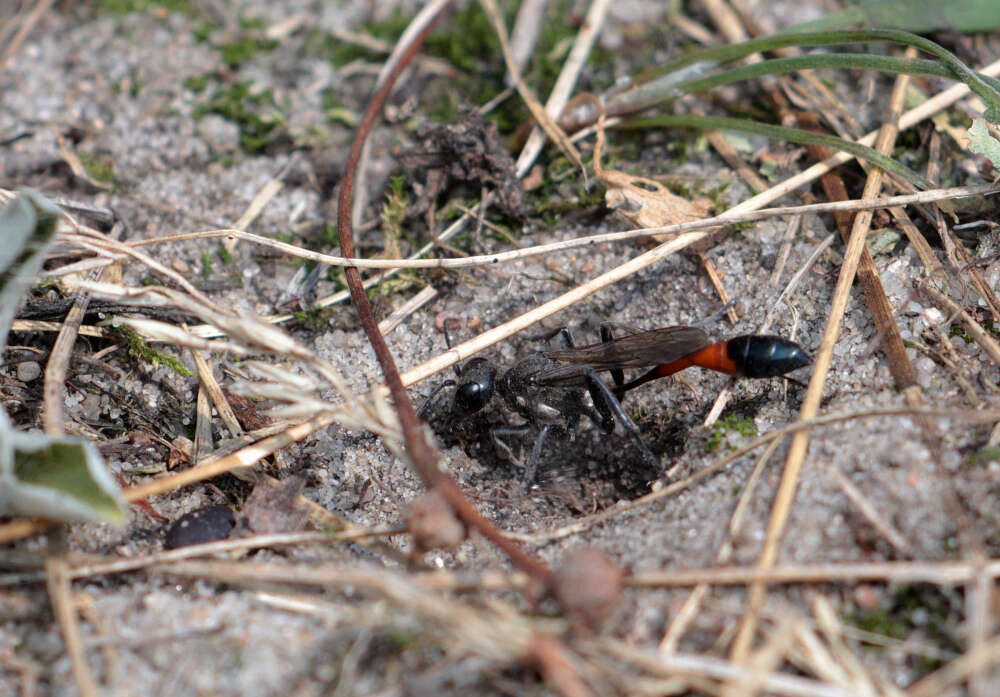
470 397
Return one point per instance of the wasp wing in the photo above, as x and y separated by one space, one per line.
639 350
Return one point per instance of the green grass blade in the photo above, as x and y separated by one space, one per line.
723 54
842 61
790 135
913 15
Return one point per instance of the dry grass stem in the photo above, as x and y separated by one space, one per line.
959 257
29 22
927 256
793 230
727 218
491 630
58 363
695 666
119 566
340 296
689 610
210 389
938 682
826 619
763 663
64 609
102 244
693 30
524 35
32 325
400 314
565 83
976 331
980 601
886 529
203 442
912 117
781 507
815 656
794 282
542 116
944 573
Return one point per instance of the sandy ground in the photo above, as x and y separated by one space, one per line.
119 89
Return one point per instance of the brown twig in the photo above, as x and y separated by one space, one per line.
781 507
29 23
556 667
981 337
871 512
422 454
61 596
878 304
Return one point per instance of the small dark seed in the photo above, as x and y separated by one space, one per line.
208 524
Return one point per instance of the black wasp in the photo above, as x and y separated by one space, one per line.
548 389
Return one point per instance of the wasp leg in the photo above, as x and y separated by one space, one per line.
609 406
603 419
447 340
531 469
617 374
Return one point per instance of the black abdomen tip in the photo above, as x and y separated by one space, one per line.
762 356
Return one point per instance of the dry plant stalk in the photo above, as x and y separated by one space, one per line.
64 609
541 115
646 203
821 365
559 97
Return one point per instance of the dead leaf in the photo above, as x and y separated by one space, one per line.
645 202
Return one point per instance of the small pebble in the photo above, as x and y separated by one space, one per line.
208 524
221 134
26 372
338 338
90 408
